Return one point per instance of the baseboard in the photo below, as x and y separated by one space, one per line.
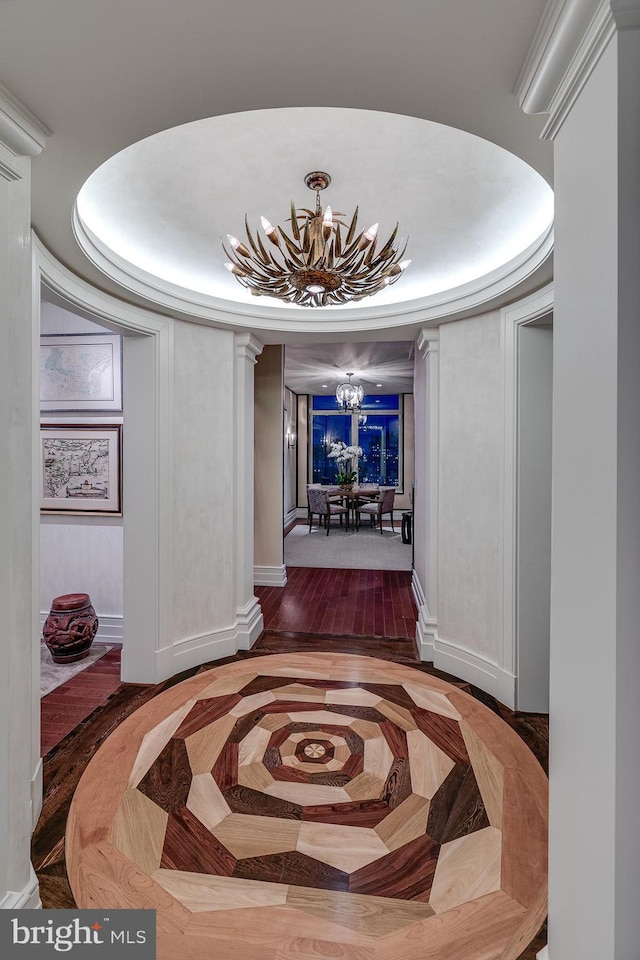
460 662
26 899
110 629
193 651
37 793
543 954
291 516
270 576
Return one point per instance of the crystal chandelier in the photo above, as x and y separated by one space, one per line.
323 262
349 395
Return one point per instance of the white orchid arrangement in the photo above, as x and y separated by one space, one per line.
345 455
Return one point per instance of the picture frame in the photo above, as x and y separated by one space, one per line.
81 469
81 371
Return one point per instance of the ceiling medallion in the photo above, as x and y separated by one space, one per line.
316 266
349 395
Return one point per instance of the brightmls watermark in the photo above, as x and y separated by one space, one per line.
80 934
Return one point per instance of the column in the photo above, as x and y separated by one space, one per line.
595 601
21 137
425 507
249 614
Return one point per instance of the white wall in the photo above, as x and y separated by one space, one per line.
595 600
535 393
469 586
203 466
81 554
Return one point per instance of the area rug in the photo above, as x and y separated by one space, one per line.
53 674
366 549
316 804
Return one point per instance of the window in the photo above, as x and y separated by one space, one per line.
377 428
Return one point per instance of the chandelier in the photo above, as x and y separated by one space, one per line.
349 395
322 262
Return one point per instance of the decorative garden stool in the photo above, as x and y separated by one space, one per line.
70 628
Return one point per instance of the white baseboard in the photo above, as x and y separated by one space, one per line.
26 899
290 516
110 629
460 662
193 651
543 954
36 792
270 576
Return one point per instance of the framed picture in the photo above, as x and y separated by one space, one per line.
81 468
81 372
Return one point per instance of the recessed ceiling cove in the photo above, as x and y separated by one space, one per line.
474 216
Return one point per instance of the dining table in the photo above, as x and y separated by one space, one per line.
350 497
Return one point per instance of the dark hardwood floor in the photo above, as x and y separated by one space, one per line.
346 611
65 707
365 603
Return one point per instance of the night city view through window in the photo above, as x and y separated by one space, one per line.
375 428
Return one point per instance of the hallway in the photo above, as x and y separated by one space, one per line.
65 763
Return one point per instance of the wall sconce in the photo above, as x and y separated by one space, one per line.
291 438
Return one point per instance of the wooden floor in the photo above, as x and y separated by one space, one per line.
304 789
342 602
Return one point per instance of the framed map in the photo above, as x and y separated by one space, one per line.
81 468
81 372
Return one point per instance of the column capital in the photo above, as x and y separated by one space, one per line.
248 347
21 134
626 13
427 342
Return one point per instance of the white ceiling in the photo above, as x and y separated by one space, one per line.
103 77
380 367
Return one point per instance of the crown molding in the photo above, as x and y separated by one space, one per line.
20 130
593 44
559 33
571 38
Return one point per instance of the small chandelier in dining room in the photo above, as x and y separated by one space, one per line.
321 262
349 395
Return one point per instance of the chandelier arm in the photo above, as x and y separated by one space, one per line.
338 241
389 244
370 252
293 248
294 223
252 244
263 251
306 240
352 227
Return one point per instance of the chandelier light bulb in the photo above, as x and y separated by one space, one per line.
321 260
238 246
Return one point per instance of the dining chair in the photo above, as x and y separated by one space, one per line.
376 509
310 486
319 503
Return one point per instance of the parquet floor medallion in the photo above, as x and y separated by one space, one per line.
316 806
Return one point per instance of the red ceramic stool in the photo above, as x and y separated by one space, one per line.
70 628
